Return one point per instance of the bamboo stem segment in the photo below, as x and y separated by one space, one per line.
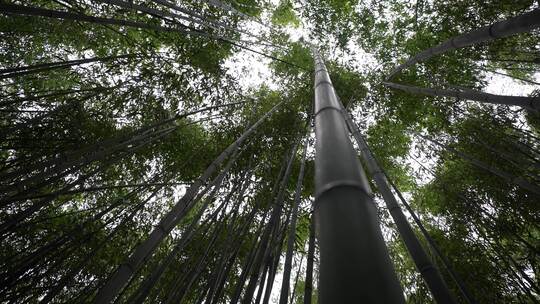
354 263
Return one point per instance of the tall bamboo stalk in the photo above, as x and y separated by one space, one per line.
520 24
516 180
285 282
115 284
308 287
457 279
42 67
65 280
530 103
216 25
142 292
269 235
35 11
423 263
354 263
257 245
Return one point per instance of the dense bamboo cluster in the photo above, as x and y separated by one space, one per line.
136 168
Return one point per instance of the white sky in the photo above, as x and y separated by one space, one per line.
503 85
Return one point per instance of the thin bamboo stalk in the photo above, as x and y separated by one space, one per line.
284 294
520 24
109 292
269 234
526 102
519 181
423 263
308 287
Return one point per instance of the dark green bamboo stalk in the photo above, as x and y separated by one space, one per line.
20 217
510 263
268 236
100 149
67 164
248 265
264 278
11 99
194 16
275 257
529 103
109 292
518 163
296 277
520 24
65 237
292 231
491 222
519 181
71 163
180 291
200 20
308 287
457 279
143 291
26 70
228 7
512 76
423 263
354 263
53 292
34 11
39 258
236 244
203 260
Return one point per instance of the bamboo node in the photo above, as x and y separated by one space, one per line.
340 183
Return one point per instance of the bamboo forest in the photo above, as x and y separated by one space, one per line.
269 151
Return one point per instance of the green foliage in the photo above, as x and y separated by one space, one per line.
86 175
348 83
284 14
297 53
390 144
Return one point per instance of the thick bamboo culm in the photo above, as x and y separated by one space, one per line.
354 263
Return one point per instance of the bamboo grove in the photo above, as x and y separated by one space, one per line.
389 152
